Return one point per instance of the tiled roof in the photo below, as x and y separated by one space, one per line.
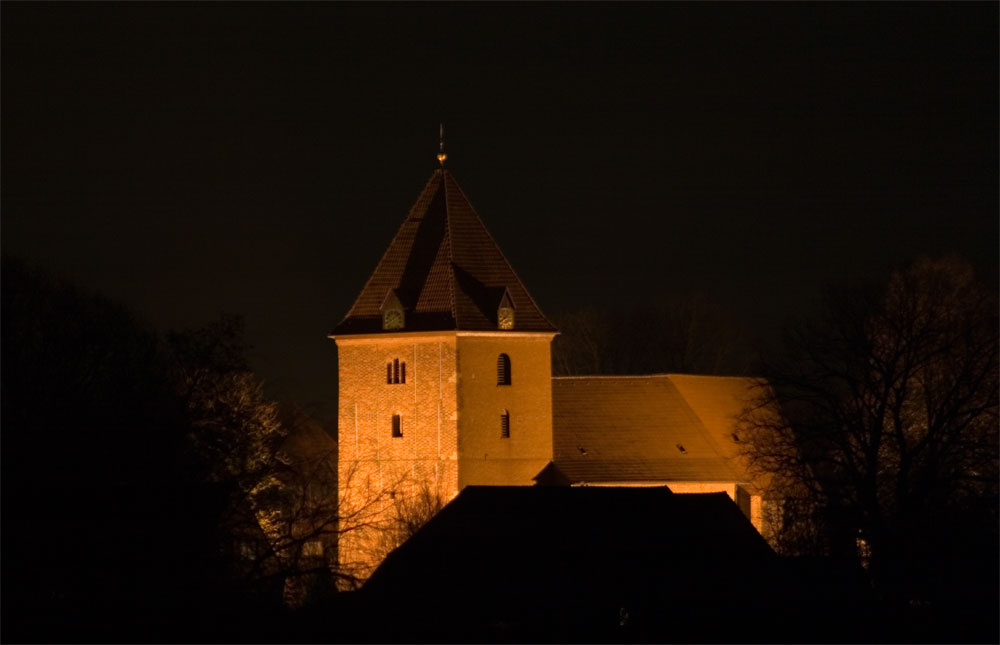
446 270
632 428
719 401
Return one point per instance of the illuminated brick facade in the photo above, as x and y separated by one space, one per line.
445 376
446 382
450 410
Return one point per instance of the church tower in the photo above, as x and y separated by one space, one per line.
445 376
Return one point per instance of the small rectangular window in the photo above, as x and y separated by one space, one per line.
397 426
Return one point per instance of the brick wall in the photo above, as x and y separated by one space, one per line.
485 457
377 471
449 408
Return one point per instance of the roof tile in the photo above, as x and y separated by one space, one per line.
629 428
447 270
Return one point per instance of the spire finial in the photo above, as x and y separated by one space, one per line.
441 155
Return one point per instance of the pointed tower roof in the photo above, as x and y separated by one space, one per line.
446 271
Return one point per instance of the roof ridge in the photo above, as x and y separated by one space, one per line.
451 248
725 376
497 247
612 376
666 375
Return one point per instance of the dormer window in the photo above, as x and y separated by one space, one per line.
392 312
505 312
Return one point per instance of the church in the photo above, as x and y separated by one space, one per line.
445 381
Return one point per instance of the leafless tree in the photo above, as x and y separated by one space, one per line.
887 433
410 512
377 514
273 469
582 343
688 334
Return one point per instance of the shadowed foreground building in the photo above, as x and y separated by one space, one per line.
581 564
446 382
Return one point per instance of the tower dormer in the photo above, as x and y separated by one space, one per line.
393 316
505 312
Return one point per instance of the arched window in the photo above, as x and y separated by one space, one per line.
505 425
503 369
397 426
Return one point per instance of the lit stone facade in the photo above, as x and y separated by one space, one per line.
425 403
446 382
424 409
485 456
378 471
450 407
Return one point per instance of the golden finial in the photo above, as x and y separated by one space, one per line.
441 155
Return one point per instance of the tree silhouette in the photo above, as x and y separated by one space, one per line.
668 334
886 444
93 495
150 490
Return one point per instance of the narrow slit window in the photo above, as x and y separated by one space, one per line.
503 370
682 449
395 370
388 373
402 372
505 425
397 426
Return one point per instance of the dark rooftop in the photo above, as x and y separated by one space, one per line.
498 554
446 270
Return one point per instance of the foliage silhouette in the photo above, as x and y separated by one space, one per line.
96 506
138 471
886 445
678 335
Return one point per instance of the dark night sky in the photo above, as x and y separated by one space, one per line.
190 159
